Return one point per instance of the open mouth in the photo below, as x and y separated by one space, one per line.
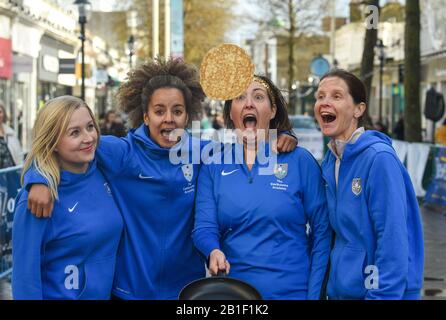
328 117
166 132
249 121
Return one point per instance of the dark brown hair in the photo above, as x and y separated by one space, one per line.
134 94
355 86
280 121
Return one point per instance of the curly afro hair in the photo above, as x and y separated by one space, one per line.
134 94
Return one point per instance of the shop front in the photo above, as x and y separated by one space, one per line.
48 71
26 47
5 72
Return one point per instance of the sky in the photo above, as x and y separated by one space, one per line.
246 31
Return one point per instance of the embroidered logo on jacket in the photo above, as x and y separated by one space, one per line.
356 186
224 173
72 208
280 170
188 172
107 188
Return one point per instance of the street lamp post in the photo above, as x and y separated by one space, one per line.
83 8
382 57
131 47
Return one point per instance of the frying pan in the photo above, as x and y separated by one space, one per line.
219 287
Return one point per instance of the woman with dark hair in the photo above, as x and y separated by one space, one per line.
378 249
10 150
252 213
156 257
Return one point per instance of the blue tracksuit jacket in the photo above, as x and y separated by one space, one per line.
156 258
73 254
259 222
378 252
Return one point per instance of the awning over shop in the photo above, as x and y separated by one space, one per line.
5 58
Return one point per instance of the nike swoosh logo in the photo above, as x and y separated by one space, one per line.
143 177
223 173
72 209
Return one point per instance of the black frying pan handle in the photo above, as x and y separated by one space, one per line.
221 273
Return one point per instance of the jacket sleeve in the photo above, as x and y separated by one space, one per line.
315 206
32 176
29 236
206 232
290 133
113 154
387 206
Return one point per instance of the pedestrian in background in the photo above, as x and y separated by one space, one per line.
112 125
378 250
398 131
10 150
73 254
381 127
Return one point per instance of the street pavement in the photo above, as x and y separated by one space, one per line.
434 224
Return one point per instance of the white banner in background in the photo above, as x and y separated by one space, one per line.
417 155
401 149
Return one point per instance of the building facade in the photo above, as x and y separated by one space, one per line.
39 57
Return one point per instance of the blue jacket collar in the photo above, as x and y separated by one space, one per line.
69 178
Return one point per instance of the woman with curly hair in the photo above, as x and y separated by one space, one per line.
156 258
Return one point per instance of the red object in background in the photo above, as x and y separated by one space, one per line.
5 58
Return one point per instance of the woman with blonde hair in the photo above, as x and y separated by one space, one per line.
53 258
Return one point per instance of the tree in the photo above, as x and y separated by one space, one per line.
412 114
392 11
367 62
205 26
297 17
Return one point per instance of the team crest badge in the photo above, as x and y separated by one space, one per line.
281 170
356 186
188 172
107 188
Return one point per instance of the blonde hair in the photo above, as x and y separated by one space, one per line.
51 124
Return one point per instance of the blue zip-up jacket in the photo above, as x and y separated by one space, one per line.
378 252
72 255
259 222
156 256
